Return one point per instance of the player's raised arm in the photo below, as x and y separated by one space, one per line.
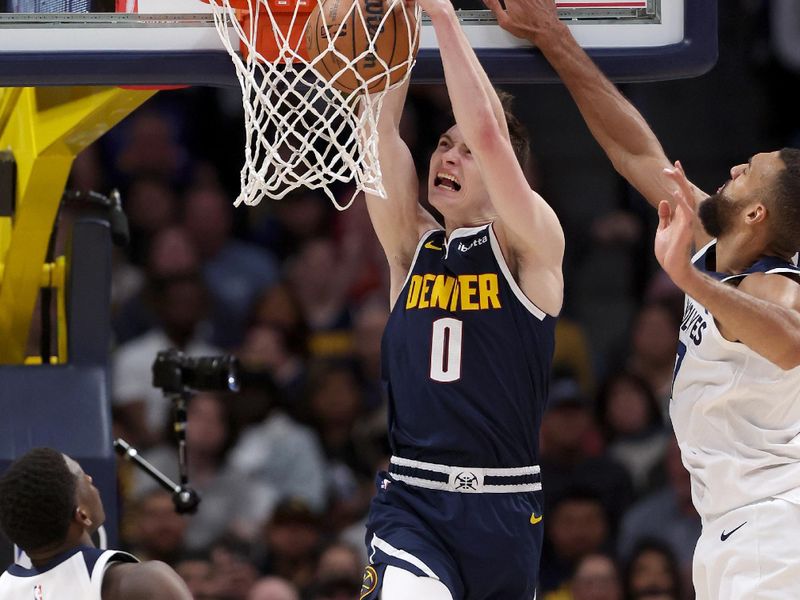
615 123
399 220
528 230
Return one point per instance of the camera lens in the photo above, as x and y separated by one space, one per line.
212 373
174 372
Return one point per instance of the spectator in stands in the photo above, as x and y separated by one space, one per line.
231 502
153 530
630 420
653 573
290 543
276 344
369 321
141 410
596 578
567 459
321 276
336 405
301 216
151 206
339 559
667 515
235 272
151 146
273 588
197 571
340 588
576 525
653 347
170 254
283 459
573 354
233 572
339 573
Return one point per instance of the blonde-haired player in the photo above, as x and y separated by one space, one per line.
466 353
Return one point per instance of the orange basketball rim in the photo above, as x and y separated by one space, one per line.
289 16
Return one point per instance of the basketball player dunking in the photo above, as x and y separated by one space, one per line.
736 394
466 352
49 508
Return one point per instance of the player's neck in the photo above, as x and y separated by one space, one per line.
44 555
451 225
735 255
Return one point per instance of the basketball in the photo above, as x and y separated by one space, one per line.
349 28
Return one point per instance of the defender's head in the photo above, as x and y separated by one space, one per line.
761 201
455 185
46 500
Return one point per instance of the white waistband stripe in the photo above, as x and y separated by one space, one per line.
466 480
447 469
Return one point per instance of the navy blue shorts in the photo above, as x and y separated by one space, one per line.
481 546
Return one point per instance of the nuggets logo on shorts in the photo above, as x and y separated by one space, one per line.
369 582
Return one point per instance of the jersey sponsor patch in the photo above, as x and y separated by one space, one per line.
369 582
462 247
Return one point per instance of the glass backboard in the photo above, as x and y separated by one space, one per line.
160 42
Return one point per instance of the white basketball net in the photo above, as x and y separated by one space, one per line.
301 131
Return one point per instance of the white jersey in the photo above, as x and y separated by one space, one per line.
74 575
736 415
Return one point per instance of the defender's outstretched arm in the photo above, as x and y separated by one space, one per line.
615 123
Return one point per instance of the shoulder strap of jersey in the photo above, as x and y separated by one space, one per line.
771 265
426 237
701 254
101 561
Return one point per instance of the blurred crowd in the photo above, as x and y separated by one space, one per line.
298 292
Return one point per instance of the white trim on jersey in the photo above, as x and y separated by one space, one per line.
99 570
523 299
703 250
461 232
385 547
420 244
778 271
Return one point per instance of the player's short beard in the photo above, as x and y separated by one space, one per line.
716 214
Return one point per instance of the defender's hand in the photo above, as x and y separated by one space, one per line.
675 235
525 18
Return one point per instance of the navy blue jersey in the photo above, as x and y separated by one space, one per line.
466 357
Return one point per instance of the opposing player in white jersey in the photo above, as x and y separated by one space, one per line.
49 508
736 395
